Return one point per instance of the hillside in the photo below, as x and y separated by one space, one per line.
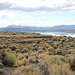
61 28
35 54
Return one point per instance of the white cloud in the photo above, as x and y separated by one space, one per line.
37 5
23 23
9 11
13 15
7 14
24 16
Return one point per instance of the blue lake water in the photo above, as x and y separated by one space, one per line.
58 33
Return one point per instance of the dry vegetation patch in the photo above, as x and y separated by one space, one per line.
36 54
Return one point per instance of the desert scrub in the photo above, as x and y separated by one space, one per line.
18 55
21 62
67 60
40 51
0 57
72 63
26 70
32 73
24 50
17 50
54 59
8 50
32 59
9 59
13 48
51 51
54 65
71 51
62 69
60 52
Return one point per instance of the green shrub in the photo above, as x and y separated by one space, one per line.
9 59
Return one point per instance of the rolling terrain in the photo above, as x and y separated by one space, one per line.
24 53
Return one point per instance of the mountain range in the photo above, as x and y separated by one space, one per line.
19 28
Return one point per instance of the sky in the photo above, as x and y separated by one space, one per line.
37 12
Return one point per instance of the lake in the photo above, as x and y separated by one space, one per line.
58 33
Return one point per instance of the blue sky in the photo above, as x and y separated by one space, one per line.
37 12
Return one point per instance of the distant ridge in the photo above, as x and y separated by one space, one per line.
64 26
19 28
